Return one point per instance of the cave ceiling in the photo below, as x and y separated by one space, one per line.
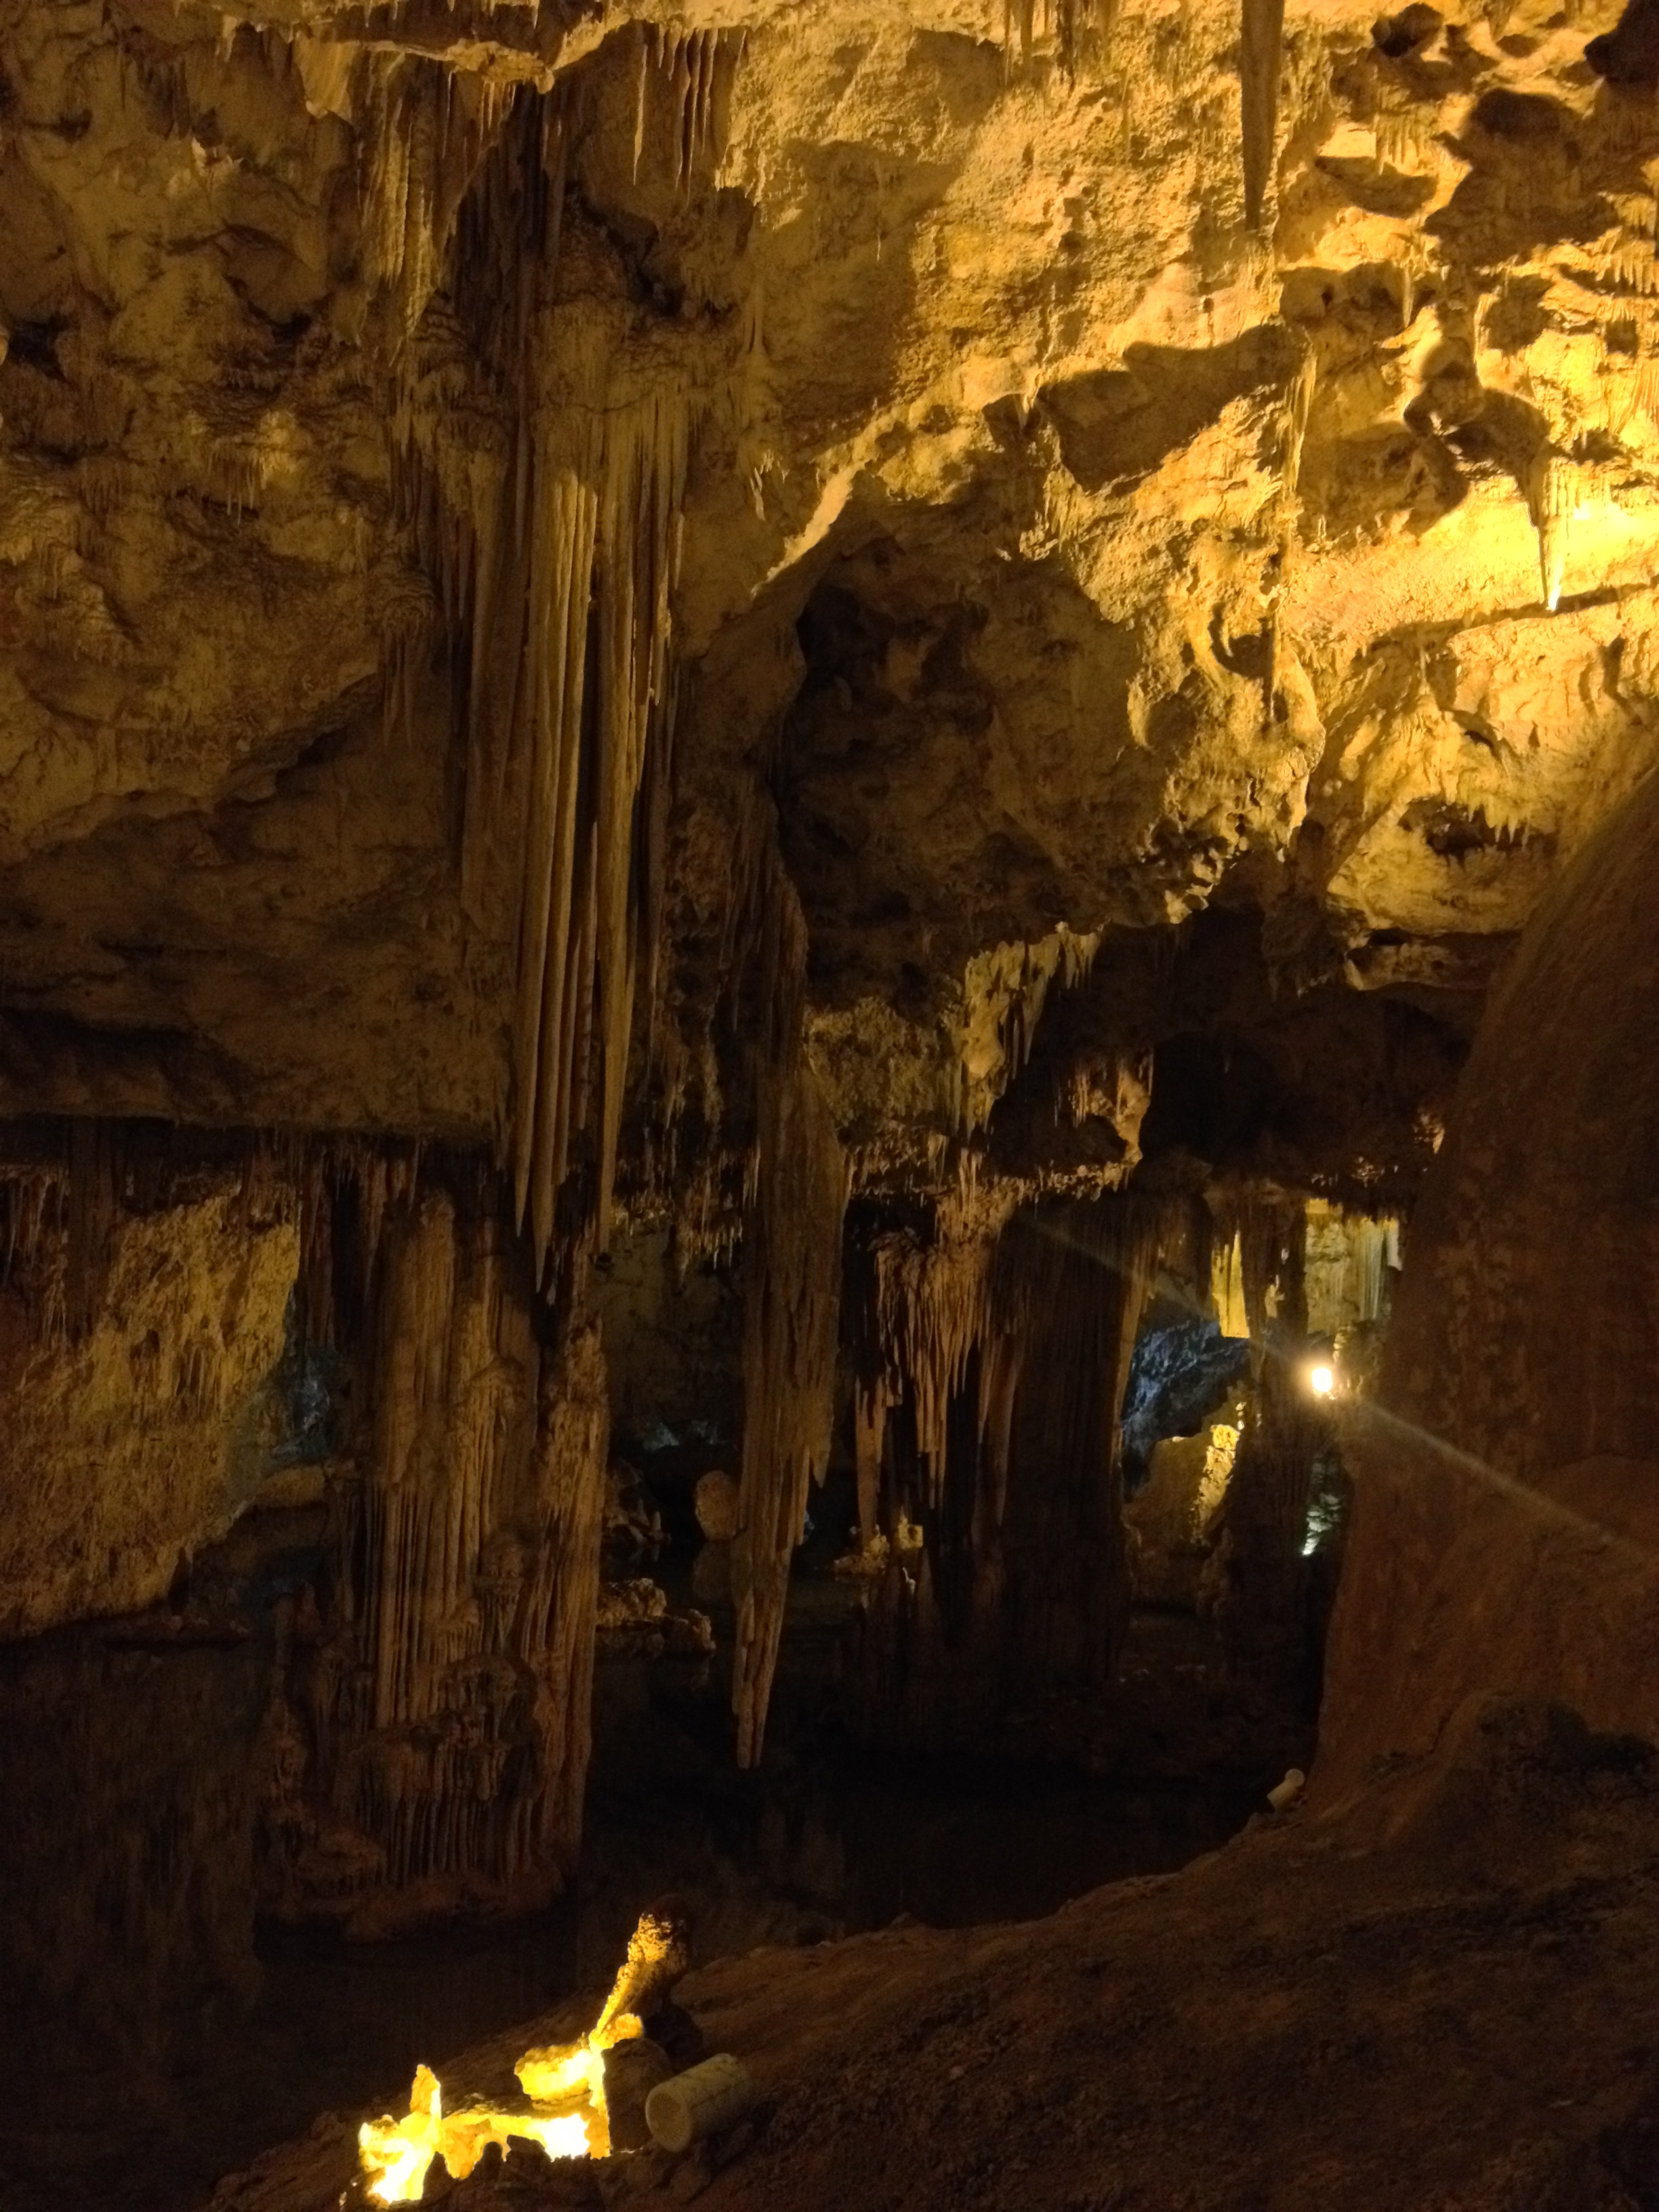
1076 565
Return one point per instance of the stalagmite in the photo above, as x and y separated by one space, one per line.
1298 410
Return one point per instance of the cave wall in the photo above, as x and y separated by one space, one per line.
1506 1519
138 1388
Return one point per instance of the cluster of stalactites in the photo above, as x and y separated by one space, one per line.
590 750
1081 33
690 73
425 131
964 1306
1266 1261
930 1312
67 1184
429 1716
1004 993
553 549
1081 29
1020 1582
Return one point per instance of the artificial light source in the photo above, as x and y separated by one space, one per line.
566 2081
1321 1380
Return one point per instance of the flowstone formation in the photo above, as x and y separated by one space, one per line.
938 646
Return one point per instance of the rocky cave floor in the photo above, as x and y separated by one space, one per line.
1443 1999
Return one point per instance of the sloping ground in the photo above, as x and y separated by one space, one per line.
1452 2006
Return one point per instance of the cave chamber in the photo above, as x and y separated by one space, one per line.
828 957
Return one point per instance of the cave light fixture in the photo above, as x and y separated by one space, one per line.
395 2155
563 2084
1321 1378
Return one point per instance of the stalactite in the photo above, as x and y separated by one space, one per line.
425 129
1553 494
595 694
792 1261
92 1204
554 560
1261 33
1227 1285
792 1281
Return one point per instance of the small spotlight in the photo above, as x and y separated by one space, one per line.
1321 1380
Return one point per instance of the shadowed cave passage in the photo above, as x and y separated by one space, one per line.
827 1123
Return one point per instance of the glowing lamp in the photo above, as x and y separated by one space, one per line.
1321 1380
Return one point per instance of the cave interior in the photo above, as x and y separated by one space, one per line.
829 1105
